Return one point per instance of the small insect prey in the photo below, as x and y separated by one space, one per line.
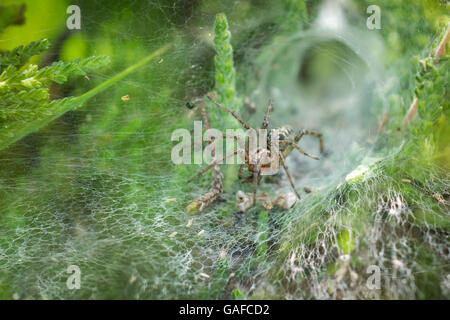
287 142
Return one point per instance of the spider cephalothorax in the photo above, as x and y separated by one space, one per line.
285 138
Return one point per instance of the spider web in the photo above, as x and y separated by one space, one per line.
97 189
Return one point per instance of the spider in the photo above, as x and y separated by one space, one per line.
287 140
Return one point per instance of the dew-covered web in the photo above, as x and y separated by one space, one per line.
97 189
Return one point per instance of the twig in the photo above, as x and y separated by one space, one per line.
440 50
412 112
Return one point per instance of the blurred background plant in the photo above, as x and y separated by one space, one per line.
96 187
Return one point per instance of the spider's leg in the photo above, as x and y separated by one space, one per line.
289 175
241 169
242 122
218 175
255 182
225 136
301 133
237 138
298 148
267 116
250 179
214 163
207 127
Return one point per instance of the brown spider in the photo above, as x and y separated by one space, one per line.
287 140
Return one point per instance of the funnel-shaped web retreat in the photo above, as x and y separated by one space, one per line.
97 189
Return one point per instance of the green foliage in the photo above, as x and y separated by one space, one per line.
17 57
225 73
237 294
25 92
297 16
370 213
405 25
103 194
345 242
225 81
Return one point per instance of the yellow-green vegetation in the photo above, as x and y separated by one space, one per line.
95 186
